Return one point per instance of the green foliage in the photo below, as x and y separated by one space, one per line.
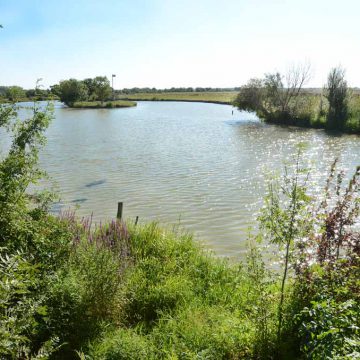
251 97
18 169
20 305
277 98
282 100
330 323
204 332
71 91
261 286
100 105
98 88
82 297
15 93
55 90
123 344
28 250
102 89
336 92
285 219
179 302
332 330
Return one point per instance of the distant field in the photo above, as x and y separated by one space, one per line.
224 97
104 105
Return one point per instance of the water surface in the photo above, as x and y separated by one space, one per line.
190 163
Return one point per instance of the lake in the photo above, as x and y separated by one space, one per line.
193 164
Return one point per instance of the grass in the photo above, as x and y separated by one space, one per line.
103 105
144 292
174 301
223 97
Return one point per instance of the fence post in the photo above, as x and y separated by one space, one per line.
119 210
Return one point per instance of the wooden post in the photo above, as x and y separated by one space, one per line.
120 210
136 220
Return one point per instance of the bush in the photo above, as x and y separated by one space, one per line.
72 90
123 345
336 92
330 331
21 307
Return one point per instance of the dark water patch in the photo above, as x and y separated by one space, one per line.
95 183
79 201
253 123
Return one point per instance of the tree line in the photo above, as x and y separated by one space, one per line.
137 90
16 93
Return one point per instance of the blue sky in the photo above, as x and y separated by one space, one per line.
164 43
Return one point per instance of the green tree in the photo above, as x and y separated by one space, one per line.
250 97
286 221
337 94
71 91
19 169
55 90
102 88
15 93
30 93
90 84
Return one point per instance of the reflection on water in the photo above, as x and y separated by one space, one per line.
189 162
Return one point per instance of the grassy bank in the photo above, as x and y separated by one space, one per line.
280 99
223 97
139 293
312 112
103 105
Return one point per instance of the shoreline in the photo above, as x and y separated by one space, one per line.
113 104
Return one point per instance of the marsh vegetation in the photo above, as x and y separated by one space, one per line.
282 99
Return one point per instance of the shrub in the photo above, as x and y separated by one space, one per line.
72 90
336 92
123 345
331 329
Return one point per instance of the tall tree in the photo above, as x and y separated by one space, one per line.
102 89
336 92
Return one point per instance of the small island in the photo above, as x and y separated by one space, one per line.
91 93
113 104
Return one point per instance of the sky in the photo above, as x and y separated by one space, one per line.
175 43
